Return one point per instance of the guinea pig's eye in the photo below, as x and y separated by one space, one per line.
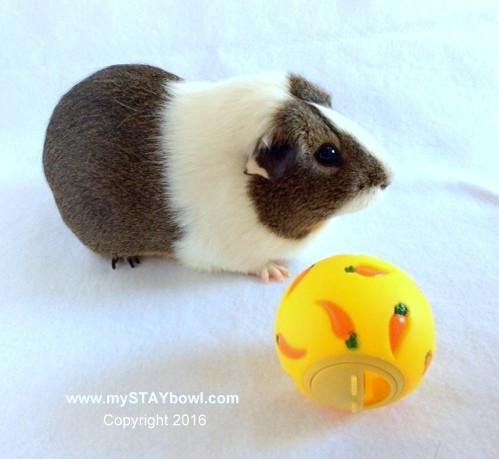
328 155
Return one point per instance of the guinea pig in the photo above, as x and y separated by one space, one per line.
233 175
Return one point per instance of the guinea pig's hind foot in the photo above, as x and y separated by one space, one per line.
273 271
114 261
132 261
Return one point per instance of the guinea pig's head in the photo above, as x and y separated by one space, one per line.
312 164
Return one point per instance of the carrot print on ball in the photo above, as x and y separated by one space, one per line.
341 323
427 361
298 279
399 323
288 350
364 270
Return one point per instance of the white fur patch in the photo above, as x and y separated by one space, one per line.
209 132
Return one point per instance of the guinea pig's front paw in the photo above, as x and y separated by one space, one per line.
273 271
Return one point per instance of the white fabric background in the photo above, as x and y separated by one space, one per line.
422 76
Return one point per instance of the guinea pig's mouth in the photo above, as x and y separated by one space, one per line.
360 201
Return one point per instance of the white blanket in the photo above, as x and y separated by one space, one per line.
422 76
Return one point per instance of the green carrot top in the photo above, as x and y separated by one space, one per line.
401 309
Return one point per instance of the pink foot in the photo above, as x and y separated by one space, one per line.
273 271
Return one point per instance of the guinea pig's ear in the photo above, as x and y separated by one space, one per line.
270 159
307 91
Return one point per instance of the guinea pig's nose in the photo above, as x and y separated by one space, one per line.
380 180
387 179
386 182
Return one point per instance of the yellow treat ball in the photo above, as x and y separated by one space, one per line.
355 332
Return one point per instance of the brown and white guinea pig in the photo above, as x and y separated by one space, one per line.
232 175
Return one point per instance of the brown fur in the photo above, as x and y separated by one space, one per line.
309 92
301 194
101 161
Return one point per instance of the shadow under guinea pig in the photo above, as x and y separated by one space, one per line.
51 264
